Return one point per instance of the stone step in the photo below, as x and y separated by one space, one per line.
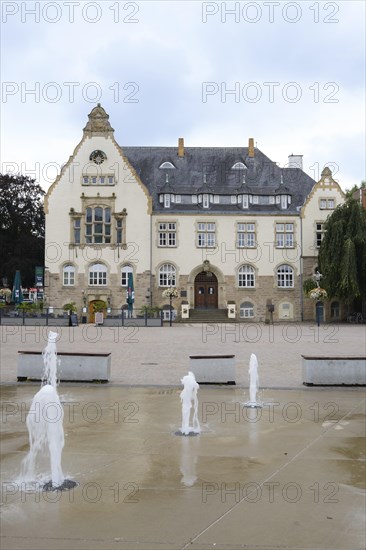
208 316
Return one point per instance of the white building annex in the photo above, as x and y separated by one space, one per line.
225 226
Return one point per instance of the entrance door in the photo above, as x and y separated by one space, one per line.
205 290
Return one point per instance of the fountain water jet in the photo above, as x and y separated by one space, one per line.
188 396
45 424
253 383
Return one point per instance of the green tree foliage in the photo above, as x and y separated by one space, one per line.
21 227
342 254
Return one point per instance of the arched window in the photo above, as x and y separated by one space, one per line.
69 275
246 310
98 225
285 276
239 166
97 275
167 275
167 165
246 276
126 269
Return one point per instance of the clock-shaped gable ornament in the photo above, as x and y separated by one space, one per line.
97 156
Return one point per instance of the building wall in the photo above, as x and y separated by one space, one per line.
129 198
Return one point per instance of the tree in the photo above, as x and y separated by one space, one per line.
342 254
21 227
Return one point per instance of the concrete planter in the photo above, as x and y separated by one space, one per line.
73 366
213 369
333 371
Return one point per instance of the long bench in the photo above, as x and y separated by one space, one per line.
213 369
333 371
73 366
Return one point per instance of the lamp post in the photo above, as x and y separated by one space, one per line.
170 300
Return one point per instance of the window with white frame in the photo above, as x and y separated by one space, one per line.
126 269
167 275
97 275
283 202
167 200
319 234
245 235
246 310
166 312
246 276
167 234
326 204
107 179
245 201
69 275
285 276
206 235
205 200
239 166
98 225
284 235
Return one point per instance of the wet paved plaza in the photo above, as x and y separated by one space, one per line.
288 476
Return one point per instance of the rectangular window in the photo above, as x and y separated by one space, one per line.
205 201
168 234
319 234
284 235
98 225
69 276
255 199
97 278
167 200
119 224
283 202
77 227
245 235
206 235
326 204
245 201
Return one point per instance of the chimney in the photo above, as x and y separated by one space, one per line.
251 147
295 161
181 148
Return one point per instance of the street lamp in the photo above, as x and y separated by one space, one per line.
170 300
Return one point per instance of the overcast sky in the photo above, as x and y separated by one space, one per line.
289 74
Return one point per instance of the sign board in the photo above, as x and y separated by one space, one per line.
39 276
99 318
74 320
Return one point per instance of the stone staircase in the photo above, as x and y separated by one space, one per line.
208 316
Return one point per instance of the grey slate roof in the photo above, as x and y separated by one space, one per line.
214 164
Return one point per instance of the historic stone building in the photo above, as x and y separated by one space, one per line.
226 226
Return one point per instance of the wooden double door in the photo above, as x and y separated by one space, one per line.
205 290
